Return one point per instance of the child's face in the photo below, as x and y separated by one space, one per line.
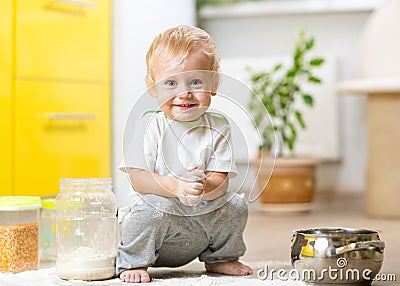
183 88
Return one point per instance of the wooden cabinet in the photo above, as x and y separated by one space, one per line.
61 130
5 141
5 95
63 39
5 40
54 93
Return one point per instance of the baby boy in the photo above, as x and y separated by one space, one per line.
181 166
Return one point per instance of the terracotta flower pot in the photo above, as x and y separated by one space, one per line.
291 185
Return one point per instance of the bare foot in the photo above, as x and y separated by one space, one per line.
230 267
137 275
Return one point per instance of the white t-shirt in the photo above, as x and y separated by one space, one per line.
170 148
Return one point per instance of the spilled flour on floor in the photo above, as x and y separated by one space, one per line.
226 281
165 277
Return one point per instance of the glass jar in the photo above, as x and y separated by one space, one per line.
47 230
86 229
19 233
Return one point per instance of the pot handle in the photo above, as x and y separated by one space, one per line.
377 245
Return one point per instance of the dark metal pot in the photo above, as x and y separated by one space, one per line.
337 255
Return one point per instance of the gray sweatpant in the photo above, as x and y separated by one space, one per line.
169 235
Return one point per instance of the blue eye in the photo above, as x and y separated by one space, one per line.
170 83
196 82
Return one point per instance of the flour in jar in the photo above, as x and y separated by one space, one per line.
85 263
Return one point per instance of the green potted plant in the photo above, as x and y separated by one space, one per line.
279 91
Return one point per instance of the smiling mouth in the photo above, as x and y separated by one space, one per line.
185 106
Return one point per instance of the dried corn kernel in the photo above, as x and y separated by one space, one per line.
19 247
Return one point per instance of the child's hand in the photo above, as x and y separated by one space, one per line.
191 187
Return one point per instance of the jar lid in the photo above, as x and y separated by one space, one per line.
49 204
85 184
86 181
16 203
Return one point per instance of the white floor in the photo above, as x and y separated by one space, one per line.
268 243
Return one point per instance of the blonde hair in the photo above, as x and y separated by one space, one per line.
177 42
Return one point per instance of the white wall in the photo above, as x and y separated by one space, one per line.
320 138
337 34
135 24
